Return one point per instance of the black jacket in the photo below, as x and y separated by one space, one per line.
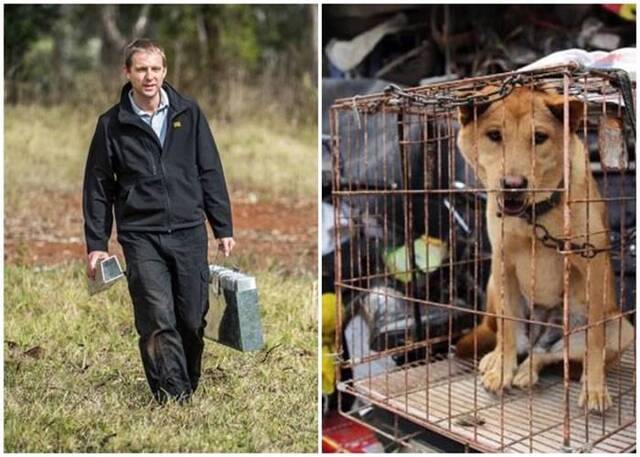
154 188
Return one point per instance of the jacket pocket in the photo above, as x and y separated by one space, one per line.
143 199
186 191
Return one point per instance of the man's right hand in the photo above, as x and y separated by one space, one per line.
92 260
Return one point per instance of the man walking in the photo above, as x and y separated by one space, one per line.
153 159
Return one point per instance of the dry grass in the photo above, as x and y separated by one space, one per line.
74 381
46 148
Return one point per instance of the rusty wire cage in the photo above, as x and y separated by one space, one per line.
412 277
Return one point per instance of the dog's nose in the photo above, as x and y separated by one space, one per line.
514 182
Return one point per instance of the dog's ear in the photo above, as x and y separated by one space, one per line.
465 112
555 103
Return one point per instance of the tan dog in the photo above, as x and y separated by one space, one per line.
505 126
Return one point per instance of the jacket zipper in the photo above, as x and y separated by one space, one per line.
164 147
150 154
166 192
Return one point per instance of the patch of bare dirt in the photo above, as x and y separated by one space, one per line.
49 230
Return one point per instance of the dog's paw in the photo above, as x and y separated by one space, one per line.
599 399
494 378
489 361
523 378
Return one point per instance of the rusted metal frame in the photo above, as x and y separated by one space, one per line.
418 419
502 304
439 191
635 348
395 438
385 233
354 164
426 182
348 159
409 232
532 265
334 126
604 199
622 271
397 350
586 182
408 239
545 404
590 233
566 430
511 399
444 264
456 308
607 271
367 217
439 178
419 389
586 201
452 242
426 424
556 424
603 321
588 447
477 263
555 71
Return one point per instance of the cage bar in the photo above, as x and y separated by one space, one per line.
416 267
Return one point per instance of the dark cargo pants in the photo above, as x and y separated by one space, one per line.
168 278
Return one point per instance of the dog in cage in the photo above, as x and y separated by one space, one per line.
515 146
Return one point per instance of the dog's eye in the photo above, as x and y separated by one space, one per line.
494 135
540 138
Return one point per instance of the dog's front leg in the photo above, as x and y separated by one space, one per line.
601 300
498 366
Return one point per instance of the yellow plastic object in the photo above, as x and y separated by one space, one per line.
628 11
430 252
328 371
328 316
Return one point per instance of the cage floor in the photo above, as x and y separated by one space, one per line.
513 423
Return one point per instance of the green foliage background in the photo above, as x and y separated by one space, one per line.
66 53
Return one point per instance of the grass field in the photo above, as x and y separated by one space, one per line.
74 381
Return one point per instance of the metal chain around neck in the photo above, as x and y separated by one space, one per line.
586 250
538 209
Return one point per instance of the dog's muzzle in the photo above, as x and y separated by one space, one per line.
512 200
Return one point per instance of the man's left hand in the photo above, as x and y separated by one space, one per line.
225 245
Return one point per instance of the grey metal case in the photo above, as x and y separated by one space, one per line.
233 318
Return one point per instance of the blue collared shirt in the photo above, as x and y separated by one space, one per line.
158 120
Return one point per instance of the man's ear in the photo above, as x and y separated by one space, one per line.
125 71
555 103
465 112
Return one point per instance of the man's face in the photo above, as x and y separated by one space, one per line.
146 74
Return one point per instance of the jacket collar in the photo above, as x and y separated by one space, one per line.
163 105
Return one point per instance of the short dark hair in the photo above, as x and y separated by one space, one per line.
142 45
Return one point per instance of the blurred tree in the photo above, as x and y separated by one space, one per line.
23 26
72 52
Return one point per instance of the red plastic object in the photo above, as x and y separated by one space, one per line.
340 434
